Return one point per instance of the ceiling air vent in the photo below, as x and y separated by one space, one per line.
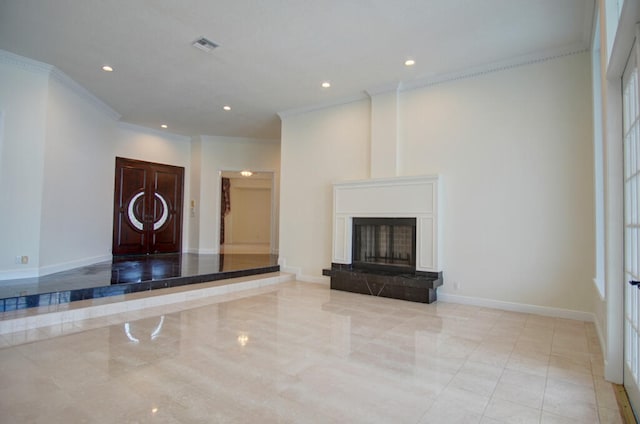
204 44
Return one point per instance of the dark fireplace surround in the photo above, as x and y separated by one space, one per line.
384 244
384 262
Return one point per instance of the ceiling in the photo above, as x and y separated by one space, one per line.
273 55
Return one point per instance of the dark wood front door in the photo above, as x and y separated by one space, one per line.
147 210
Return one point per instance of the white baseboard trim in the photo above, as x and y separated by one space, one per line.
50 269
313 279
517 307
14 274
205 251
299 276
291 270
603 346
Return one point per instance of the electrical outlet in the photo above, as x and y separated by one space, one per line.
456 286
24 260
18 259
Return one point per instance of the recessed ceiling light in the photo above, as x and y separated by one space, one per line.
226 107
164 126
107 68
409 62
326 84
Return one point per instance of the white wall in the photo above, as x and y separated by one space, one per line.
59 145
194 190
249 220
23 100
229 154
318 148
514 151
78 178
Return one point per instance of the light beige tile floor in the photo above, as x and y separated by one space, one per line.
301 353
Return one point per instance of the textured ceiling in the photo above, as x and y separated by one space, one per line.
274 54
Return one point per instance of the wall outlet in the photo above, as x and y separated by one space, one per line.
456 286
22 260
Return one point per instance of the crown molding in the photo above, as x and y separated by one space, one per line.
51 71
152 131
323 105
430 80
25 63
83 93
223 138
516 62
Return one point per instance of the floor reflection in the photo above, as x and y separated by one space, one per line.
299 352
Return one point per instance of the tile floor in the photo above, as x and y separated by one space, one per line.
299 352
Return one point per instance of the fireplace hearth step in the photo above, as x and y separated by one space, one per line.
415 287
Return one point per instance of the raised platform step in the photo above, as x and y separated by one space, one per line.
130 274
58 319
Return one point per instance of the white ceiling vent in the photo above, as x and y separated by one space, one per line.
204 44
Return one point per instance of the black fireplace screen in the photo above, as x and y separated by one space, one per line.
384 243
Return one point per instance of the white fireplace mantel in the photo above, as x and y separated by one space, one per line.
401 197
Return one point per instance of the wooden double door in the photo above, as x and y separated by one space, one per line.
147 210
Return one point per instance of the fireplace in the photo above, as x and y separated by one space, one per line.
384 244
386 238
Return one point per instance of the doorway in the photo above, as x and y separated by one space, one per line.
147 209
246 212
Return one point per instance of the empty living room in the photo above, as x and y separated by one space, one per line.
320 212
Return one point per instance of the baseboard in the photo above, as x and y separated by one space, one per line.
300 276
15 274
518 307
291 270
600 334
204 251
313 279
51 269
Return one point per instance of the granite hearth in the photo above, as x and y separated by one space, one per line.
415 287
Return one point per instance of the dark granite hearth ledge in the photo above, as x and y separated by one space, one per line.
415 287
130 275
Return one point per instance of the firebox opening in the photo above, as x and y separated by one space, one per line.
384 243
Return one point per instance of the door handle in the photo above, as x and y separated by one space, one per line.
635 283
